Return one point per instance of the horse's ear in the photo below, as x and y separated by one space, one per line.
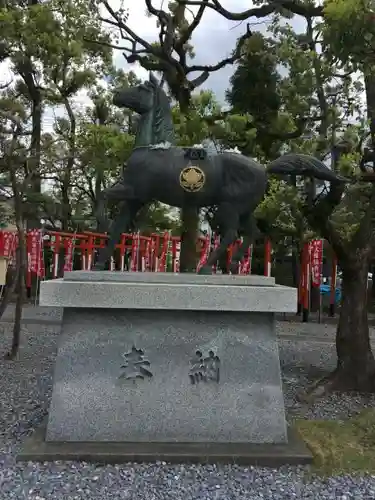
153 80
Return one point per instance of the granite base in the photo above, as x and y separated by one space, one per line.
136 369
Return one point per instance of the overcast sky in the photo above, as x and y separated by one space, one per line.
213 40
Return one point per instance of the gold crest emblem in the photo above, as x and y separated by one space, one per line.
192 179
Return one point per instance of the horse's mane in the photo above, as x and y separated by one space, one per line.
162 125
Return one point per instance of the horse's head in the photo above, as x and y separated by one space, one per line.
139 99
151 102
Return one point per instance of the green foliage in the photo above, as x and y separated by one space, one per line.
49 29
157 218
207 120
52 39
103 146
254 89
298 83
349 31
191 128
281 208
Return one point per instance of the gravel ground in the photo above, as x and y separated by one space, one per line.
25 387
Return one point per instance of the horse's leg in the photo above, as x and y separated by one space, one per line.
223 259
223 264
117 192
121 224
250 232
229 222
101 211
215 228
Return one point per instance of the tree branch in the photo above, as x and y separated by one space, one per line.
300 124
118 23
114 46
318 216
224 62
322 96
294 6
167 28
185 36
365 235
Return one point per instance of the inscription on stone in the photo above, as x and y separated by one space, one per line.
204 369
136 366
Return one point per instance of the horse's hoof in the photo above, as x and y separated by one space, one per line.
205 270
99 266
234 268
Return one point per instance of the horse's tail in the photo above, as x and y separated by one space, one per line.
305 165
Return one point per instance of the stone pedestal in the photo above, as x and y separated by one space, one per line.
164 358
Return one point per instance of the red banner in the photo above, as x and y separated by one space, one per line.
148 256
316 259
176 255
68 264
205 250
245 264
216 246
35 262
164 253
134 260
9 243
151 251
153 255
35 252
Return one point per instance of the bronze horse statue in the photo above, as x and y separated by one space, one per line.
157 170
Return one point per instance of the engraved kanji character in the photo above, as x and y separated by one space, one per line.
136 366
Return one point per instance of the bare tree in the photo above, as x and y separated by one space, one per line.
295 6
170 55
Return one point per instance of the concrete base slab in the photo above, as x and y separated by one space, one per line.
170 278
295 452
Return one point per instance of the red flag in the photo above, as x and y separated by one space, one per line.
204 252
176 255
164 253
245 264
316 259
9 243
148 255
68 264
135 252
35 251
216 245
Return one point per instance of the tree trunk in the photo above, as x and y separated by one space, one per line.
98 189
373 281
26 69
36 183
20 263
190 221
20 286
67 176
356 365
